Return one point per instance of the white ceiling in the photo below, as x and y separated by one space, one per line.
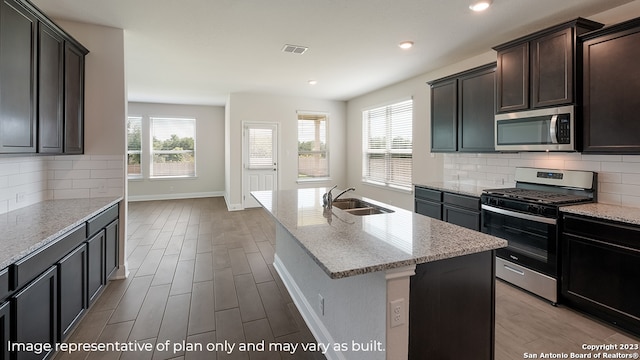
199 51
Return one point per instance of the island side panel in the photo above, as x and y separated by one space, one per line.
452 308
354 307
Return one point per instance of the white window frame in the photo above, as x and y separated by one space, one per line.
152 151
389 151
147 151
139 152
300 116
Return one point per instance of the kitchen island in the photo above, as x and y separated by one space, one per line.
394 285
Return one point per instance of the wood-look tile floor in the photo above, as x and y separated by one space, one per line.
200 274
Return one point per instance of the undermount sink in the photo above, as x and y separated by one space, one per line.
359 207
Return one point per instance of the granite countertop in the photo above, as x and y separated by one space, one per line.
30 228
454 187
345 245
625 214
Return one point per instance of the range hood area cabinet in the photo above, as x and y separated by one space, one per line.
611 85
462 111
41 83
541 69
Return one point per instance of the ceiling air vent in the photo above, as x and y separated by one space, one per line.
294 49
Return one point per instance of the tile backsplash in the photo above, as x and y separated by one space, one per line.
26 180
618 175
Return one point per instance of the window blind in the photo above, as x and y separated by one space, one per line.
173 147
134 146
388 144
260 149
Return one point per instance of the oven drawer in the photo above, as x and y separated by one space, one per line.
539 284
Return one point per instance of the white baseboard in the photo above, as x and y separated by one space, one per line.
175 196
232 207
319 331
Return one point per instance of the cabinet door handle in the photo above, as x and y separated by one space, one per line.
519 272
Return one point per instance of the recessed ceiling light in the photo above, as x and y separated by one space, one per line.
312 82
406 45
480 5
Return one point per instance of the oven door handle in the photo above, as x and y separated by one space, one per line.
518 215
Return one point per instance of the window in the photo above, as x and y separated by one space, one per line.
134 146
313 159
173 150
387 141
160 147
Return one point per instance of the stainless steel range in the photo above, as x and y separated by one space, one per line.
528 217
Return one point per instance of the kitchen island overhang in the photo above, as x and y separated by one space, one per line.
350 275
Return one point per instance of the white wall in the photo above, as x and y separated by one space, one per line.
251 107
210 146
427 167
23 181
100 171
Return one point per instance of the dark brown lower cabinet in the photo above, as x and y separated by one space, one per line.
461 217
72 277
111 248
428 202
600 270
5 322
36 314
452 309
461 210
95 265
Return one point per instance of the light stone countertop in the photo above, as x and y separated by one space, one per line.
455 187
30 228
625 214
345 245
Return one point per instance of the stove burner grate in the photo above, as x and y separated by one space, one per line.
547 197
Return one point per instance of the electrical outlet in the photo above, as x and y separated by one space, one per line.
321 304
20 197
397 312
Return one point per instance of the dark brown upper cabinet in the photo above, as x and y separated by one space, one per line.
41 83
73 99
463 110
611 86
18 57
539 70
50 90
444 115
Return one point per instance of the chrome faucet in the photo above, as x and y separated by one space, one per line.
328 199
342 193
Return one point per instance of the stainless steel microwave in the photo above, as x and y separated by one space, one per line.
550 129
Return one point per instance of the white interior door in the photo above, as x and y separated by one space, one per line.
260 160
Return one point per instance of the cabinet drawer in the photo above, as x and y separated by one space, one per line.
429 208
461 217
33 265
428 194
101 220
617 234
468 202
4 283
